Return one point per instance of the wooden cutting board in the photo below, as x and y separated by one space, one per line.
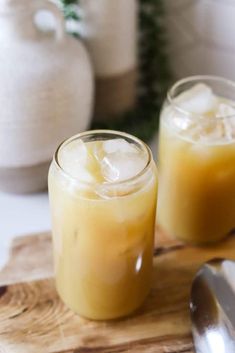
34 320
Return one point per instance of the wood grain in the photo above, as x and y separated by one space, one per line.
29 259
34 320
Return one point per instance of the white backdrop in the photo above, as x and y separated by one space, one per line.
201 36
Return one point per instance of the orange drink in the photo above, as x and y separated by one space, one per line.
103 189
197 160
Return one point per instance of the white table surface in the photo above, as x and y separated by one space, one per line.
21 215
26 214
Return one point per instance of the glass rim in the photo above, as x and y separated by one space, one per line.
177 84
104 132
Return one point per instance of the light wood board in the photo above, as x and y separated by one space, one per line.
34 320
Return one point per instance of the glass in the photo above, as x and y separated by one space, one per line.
103 234
197 161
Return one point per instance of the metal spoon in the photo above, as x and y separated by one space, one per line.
212 307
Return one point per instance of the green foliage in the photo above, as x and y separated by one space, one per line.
69 11
154 75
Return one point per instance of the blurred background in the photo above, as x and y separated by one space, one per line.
200 37
71 65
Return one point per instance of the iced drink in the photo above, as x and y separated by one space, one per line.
103 189
197 160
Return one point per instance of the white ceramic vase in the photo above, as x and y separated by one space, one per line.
46 93
110 31
201 37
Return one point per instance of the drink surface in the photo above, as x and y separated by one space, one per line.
197 166
103 215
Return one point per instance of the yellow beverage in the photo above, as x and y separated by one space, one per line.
103 223
197 165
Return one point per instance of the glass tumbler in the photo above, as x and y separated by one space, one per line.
197 160
103 231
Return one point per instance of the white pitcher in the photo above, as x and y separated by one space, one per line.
110 30
201 37
46 93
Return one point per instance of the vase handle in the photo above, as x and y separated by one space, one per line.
55 11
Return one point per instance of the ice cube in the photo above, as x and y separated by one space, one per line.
225 110
73 159
229 130
119 167
109 169
200 99
73 152
193 132
98 151
213 133
227 113
119 145
175 120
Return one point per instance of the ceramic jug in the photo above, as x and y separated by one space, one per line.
110 31
46 92
200 37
